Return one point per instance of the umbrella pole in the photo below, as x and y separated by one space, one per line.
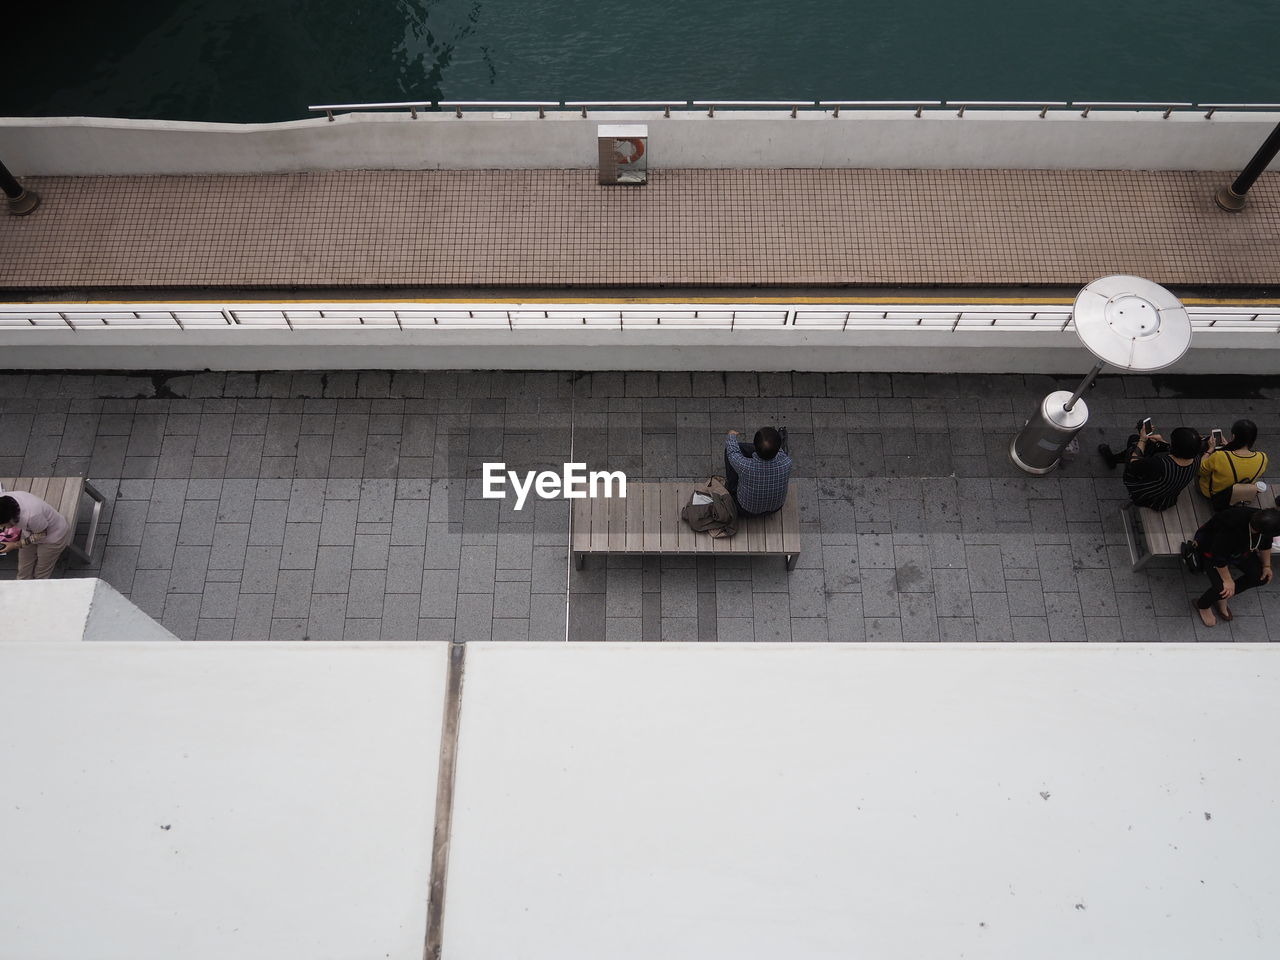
1085 384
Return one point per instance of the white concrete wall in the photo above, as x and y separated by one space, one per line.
895 802
214 800
70 610
688 139
239 348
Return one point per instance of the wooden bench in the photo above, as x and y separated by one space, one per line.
647 521
1160 533
63 494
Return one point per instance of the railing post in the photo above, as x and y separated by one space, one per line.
21 200
413 111
1231 198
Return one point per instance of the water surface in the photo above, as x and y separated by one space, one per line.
255 60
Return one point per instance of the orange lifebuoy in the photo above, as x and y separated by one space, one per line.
637 149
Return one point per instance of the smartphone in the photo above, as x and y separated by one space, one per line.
1218 439
1144 425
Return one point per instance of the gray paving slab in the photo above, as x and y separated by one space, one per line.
259 509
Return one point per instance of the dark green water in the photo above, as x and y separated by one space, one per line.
253 60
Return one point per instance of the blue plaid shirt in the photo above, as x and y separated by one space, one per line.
762 484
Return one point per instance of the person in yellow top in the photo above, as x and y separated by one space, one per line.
1236 462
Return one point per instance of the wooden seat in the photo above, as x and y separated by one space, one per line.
1160 533
64 495
647 521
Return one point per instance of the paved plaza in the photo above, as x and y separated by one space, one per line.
372 228
348 505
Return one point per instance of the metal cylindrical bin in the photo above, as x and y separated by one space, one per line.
1038 446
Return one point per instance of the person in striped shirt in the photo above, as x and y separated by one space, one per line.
1156 473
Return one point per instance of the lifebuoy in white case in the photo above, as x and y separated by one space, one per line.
628 149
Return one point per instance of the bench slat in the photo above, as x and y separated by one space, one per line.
670 508
652 519
39 487
773 532
616 511
635 522
599 524
1153 531
581 525
1172 526
71 495
1185 512
791 523
686 536
54 494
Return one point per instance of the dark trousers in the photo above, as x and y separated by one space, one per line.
731 475
1250 577
1131 446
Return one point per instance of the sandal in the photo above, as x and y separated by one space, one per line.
1224 611
1206 615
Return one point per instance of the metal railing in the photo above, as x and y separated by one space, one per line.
851 318
794 107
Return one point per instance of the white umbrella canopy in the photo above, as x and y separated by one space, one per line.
1132 323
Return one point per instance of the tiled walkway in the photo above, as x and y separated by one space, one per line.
338 505
687 227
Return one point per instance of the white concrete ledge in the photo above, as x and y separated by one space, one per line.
603 336
913 350
996 139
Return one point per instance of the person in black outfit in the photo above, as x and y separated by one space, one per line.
1154 476
1238 537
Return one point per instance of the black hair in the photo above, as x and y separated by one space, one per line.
1244 433
1266 522
9 510
1185 443
768 442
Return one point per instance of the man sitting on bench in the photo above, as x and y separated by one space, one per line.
757 473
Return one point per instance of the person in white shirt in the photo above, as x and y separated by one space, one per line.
45 534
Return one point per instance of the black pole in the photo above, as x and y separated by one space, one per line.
21 200
1232 198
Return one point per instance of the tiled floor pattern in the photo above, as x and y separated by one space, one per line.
687 227
347 505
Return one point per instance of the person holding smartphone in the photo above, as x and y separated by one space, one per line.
1232 463
1156 472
